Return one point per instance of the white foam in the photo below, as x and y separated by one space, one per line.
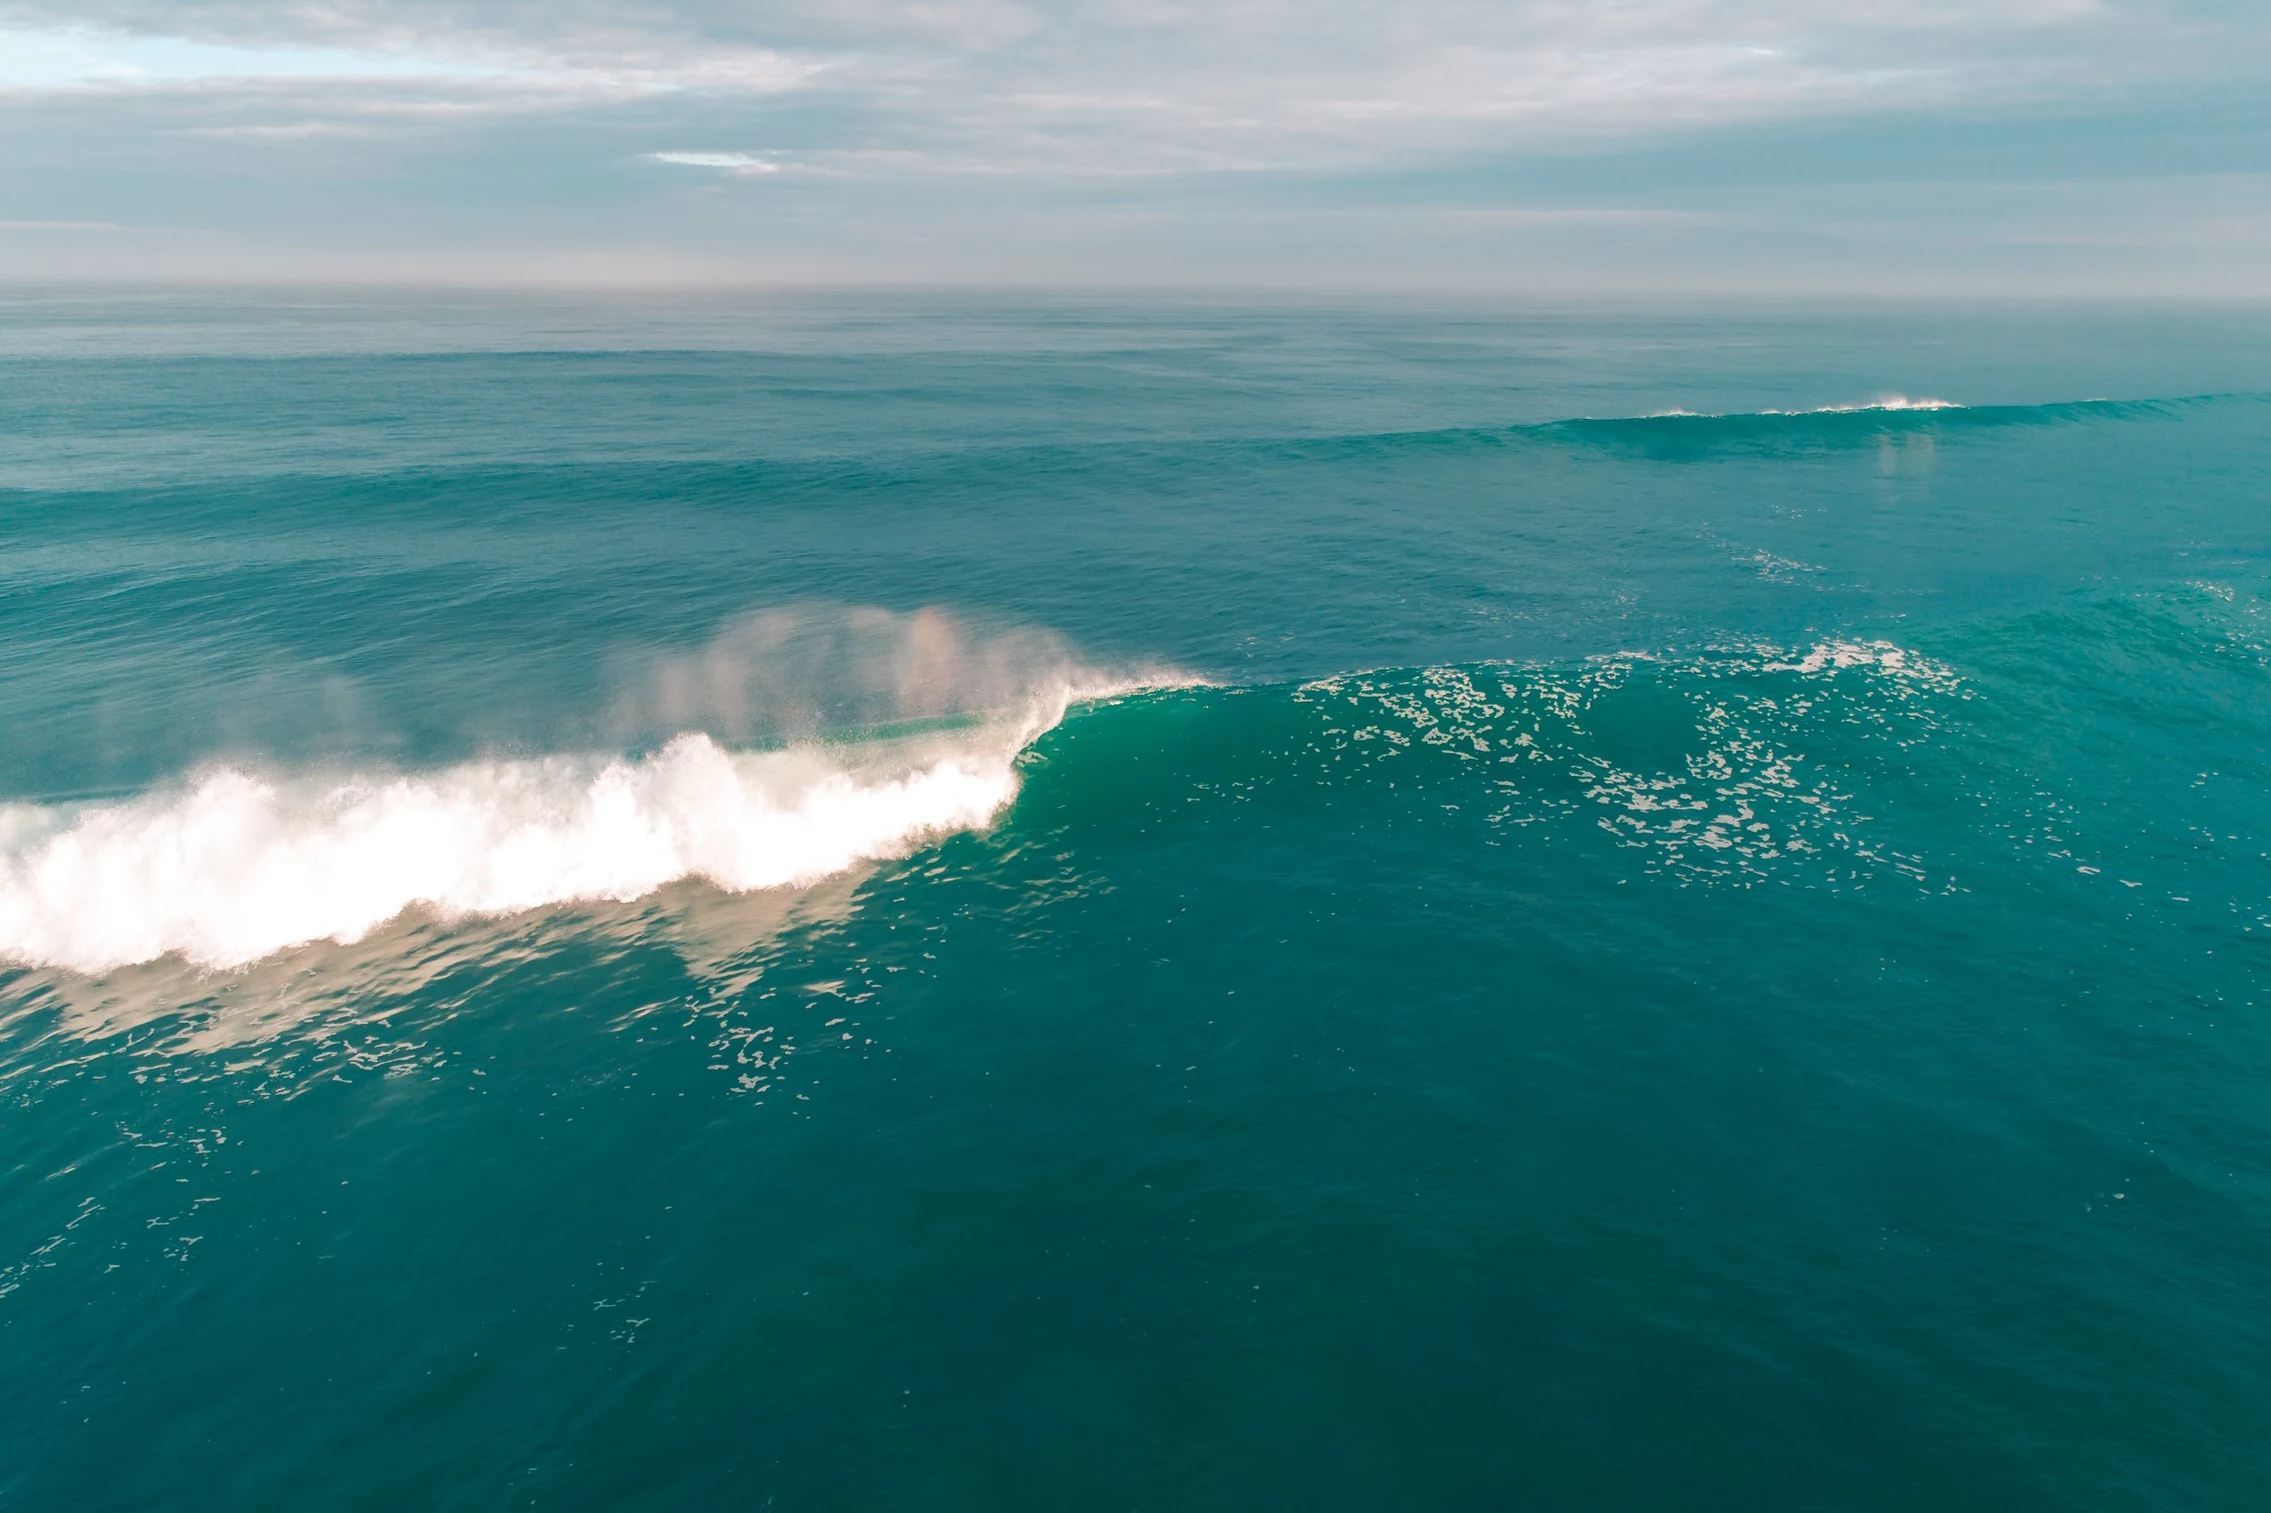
236 865
1881 656
1888 402
1881 402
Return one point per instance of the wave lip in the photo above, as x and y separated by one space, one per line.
235 866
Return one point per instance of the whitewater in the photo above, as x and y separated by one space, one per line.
235 865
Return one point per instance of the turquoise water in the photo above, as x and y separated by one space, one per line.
928 903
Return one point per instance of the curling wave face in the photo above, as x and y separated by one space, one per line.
235 866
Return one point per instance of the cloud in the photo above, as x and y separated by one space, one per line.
78 56
995 135
735 162
1168 86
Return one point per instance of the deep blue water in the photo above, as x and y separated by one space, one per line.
923 903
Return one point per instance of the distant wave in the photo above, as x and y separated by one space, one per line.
1853 422
1679 434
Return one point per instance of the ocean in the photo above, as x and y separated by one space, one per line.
923 901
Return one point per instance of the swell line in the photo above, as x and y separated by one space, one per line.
1677 433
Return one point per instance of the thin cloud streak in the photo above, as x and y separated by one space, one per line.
731 162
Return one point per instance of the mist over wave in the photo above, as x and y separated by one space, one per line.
812 671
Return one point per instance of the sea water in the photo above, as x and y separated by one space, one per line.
923 902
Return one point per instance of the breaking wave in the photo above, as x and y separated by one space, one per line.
238 862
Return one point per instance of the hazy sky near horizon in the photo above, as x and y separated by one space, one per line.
1908 146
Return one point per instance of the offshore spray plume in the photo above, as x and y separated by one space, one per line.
821 672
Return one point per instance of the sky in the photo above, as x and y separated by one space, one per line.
1793 147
